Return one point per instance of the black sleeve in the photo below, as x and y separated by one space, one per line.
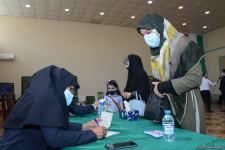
57 138
166 87
80 110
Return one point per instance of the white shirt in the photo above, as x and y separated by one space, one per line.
205 84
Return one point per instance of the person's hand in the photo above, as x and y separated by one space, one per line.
96 103
91 124
156 90
126 95
100 132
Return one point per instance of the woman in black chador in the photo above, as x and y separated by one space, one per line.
137 80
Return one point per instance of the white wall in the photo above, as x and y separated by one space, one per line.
93 52
213 40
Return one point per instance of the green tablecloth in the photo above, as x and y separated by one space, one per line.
134 130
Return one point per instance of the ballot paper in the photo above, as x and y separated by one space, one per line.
154 133
110 133
106 119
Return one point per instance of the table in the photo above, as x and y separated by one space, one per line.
134 130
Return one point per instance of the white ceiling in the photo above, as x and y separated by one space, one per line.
118 12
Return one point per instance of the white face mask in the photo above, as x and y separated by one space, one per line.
152 39
68 96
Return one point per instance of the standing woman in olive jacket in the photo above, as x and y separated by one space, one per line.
175 62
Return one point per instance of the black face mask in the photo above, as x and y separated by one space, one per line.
112 92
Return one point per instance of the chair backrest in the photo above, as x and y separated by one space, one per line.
90 99
7 102
25 82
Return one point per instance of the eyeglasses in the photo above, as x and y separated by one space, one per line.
72 89
146 32
111 88
126 61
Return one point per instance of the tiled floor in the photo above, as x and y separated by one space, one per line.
215 122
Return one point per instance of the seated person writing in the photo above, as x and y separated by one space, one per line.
39 120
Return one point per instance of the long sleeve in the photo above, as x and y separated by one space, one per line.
166 87
59 138
211 83
80 110
75 126
192 79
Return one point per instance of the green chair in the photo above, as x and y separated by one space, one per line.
90 100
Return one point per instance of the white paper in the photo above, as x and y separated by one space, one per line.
110 133
155 133
102 101
106 119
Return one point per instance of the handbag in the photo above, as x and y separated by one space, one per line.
138 104
155 107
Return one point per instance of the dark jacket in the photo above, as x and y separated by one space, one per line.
39 119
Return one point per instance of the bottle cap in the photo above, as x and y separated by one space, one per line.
167 111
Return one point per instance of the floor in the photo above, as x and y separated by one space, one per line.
215 122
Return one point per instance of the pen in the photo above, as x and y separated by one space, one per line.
96 121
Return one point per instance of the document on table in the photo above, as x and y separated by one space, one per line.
106 119
154 133
110 133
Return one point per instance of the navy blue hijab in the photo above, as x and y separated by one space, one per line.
43 103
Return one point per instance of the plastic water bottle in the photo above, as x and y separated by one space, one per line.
168 126
101 108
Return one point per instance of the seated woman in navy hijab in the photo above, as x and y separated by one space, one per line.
39 120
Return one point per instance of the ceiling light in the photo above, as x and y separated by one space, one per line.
150 2
207 12
180 7
132 17
204 27
184 23
27 5
67 9
102 13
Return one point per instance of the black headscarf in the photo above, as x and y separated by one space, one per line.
137 77
43 103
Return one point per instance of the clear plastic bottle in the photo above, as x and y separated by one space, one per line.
101 108
168 126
